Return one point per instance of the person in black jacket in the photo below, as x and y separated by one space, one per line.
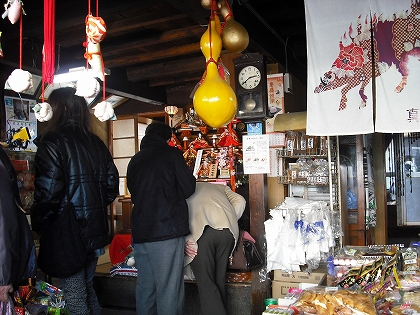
73 165
159 182
17 254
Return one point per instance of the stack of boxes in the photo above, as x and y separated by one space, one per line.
284 281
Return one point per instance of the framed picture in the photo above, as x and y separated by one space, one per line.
32 91
116 100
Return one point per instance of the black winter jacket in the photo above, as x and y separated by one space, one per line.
159 182
17 248
92 182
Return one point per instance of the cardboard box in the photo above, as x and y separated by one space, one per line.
280 289
299 276
283 281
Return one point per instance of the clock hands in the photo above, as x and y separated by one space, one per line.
252 76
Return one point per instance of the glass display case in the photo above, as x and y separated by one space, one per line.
351 160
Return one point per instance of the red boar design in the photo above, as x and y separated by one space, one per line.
370 51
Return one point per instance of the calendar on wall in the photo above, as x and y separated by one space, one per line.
21 123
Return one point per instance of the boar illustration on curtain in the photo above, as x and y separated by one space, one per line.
355 49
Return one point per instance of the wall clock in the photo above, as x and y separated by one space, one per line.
251 87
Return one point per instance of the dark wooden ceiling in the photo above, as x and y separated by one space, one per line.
152 46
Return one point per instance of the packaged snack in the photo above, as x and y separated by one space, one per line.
409 257
325 302
350 278
405 308
412 298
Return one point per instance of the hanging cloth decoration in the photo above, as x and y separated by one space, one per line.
19 80
95 33
48 59
95 28
13 10
43 111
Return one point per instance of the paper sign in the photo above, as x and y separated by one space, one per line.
256 154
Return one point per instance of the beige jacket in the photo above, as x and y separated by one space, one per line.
214 205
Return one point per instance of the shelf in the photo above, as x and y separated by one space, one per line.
316 180
309 181
283 153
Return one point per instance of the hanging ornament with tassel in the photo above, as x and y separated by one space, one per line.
235 37
214 100
19 80
89 86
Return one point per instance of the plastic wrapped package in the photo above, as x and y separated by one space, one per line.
324 301
406 308
410 260
281 310
299 233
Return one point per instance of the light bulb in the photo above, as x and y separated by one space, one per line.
250 104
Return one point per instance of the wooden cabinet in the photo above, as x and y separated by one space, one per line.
127 207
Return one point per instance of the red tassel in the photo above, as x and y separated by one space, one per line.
49 42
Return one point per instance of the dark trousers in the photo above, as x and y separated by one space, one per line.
209 267
160 279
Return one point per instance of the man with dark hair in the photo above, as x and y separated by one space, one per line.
159 182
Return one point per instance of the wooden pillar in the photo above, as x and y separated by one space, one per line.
258 214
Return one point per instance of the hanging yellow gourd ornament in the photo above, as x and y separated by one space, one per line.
211 42
214 101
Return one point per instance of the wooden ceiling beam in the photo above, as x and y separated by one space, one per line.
153 56
154 18
116 28
76 15
172 35
168 80
166 68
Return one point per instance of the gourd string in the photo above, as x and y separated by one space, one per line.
230 14
213 10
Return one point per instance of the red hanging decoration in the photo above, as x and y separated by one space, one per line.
95 33
49 43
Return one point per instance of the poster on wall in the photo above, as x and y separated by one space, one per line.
21 123
275 92
256 154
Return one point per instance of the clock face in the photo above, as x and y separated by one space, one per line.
249 77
